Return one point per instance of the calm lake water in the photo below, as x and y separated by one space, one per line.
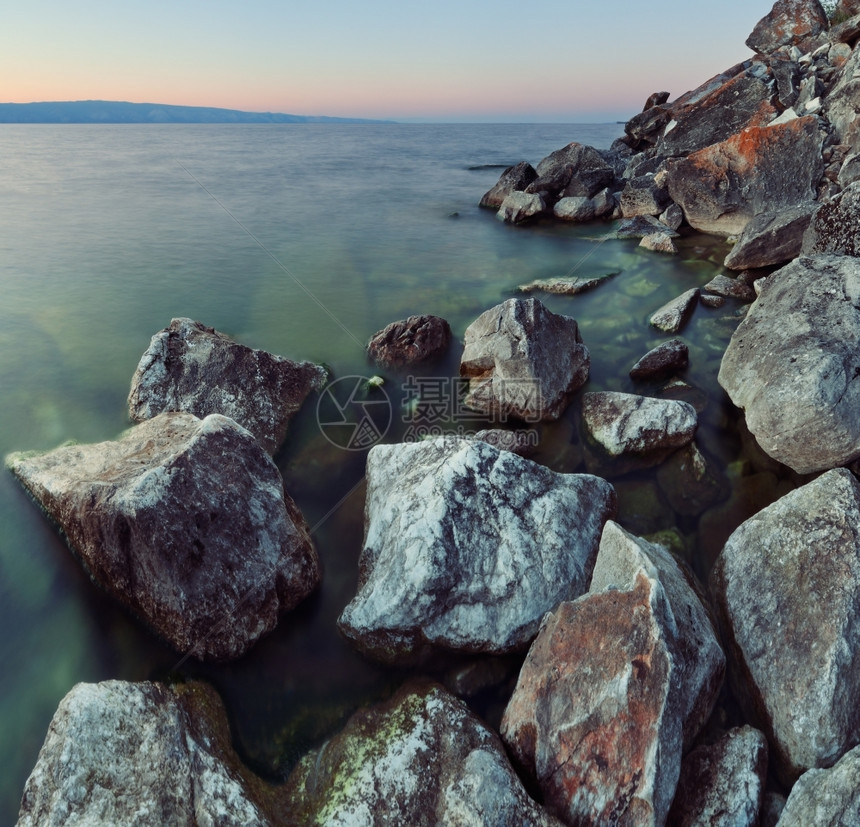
106 233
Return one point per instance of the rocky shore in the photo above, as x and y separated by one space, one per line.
634 693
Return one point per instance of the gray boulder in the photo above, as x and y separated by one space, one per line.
141 753
771 238
788 23
793 364
643 195
519 207
787 587
466 547
573 170
730 288
659 243
721 188
640 226
661 361
523 361
673 315
603 701
723 783
409 342
843 102
421 758
849 172
186 522
835 227
565 285
624 423
826 798
517 177
580 208
193 368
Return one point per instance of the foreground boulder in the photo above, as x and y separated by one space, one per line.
722 187
723 783
421 758
826 797
186 522
466 547
523 361
410 342
142 753
193 368
787 585
793 364
613 688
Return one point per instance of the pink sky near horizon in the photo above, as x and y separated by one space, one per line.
460 61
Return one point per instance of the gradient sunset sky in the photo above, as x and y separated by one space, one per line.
441 60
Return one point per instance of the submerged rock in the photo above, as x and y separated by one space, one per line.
466 547
523 361
186 522
515 178
787 585
565 285
723 783
771 238
665 359
793 364
193 368
763 169
421 758
410 342
142 753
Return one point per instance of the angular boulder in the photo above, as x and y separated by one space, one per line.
642 195
186 522
661 361
788 23
421 759
659 243
412 341
787 588
573 170
624 423
466 547
523 361
723 783
771 238
142 753
597 714
517 177
826 797
835 227
193 368
673 315
762 169
793 364
519 207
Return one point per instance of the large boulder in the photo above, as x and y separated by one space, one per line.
723 783
793 364
742 101
604 703
788 23
643 195
517 177
573 170
466 547
771 238
762 169
787 587
835 227
421 758
142 753
826 798
523 361
193 368
410 342
186 522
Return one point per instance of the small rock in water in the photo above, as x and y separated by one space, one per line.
565 285
639 227
667 358
672 316
411 341
193 368
520 206
187 523
517 177
730 288
659 243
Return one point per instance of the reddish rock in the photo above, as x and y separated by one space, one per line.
410 342
762 169
788 23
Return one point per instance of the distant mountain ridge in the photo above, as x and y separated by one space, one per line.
111 112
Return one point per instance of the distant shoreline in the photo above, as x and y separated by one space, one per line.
122 112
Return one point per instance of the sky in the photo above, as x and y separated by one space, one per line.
441 60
